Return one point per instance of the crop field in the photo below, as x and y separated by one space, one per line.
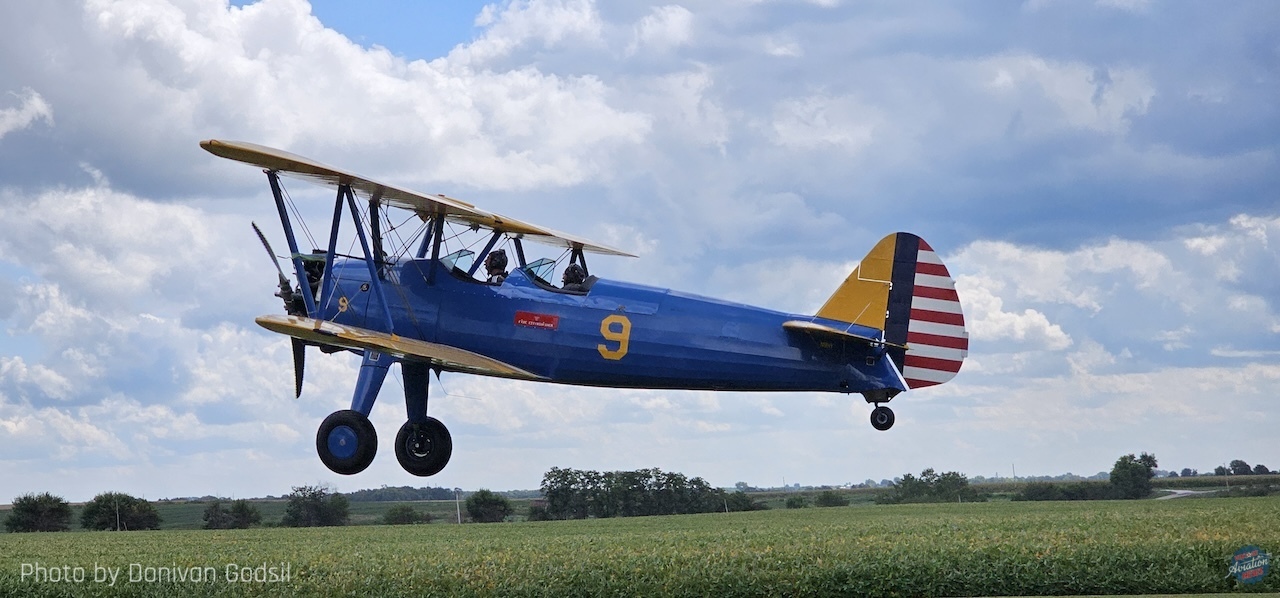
1002 548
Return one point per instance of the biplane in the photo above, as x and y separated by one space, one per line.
893 325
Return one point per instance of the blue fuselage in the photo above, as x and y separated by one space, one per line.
618 334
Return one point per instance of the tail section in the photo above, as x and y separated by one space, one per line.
903 288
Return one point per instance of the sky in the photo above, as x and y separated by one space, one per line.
1100 177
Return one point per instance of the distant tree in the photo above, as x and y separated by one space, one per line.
831 498
244 514
797 501
1187 472
1173 474
539 513
1220 470
741 501
565 491
1069 491
42 512
119 511
486 507
216 517
950 486
400 494
241 515
1131 476
576 494
1239 467
1040 491
405 514
1260 469
315 506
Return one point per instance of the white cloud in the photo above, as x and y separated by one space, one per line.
33 107
1079 95
16 375
1069 277
783 48
511 26
821 122
271 73
108 248
986 319
665 27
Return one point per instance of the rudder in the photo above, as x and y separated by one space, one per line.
904 289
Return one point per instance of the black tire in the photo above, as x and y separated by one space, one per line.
424 449
346 442
882 418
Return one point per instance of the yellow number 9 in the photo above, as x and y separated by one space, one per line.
622 336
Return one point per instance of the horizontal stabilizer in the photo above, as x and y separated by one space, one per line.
819 330
445 357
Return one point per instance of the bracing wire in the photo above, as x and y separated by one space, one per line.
297 215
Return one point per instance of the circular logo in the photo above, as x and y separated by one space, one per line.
1250 565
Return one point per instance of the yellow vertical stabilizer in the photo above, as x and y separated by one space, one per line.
863 298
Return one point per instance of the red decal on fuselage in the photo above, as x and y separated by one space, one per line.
536 320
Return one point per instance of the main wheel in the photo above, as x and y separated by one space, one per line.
424 449
882 418
346 442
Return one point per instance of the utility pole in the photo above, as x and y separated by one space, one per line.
457 502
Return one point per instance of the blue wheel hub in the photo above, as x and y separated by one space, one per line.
343 442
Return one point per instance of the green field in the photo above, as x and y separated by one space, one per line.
998 548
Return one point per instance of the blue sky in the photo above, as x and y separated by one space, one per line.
1100 177
414 30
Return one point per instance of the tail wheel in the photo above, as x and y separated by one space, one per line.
423 449
882 418
346 442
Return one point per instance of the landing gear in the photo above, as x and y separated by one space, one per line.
423 449
346 442
423 445
882 418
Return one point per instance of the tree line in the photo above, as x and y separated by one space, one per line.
930 486
578 494
1130 479
45 512
308 506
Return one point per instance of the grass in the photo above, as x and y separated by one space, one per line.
1001 548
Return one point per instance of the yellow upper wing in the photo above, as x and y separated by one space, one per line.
425 205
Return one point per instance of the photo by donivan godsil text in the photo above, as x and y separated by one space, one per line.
139 573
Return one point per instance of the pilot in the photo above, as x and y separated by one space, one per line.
496 266
573 277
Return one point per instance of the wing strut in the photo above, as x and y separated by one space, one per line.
519 251
437 238
493 240
426 239
307 298
374 279
375 231
579 257
326 291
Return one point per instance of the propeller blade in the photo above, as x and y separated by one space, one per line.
299 363
286 289
265 244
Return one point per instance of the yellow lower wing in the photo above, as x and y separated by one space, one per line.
362 339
